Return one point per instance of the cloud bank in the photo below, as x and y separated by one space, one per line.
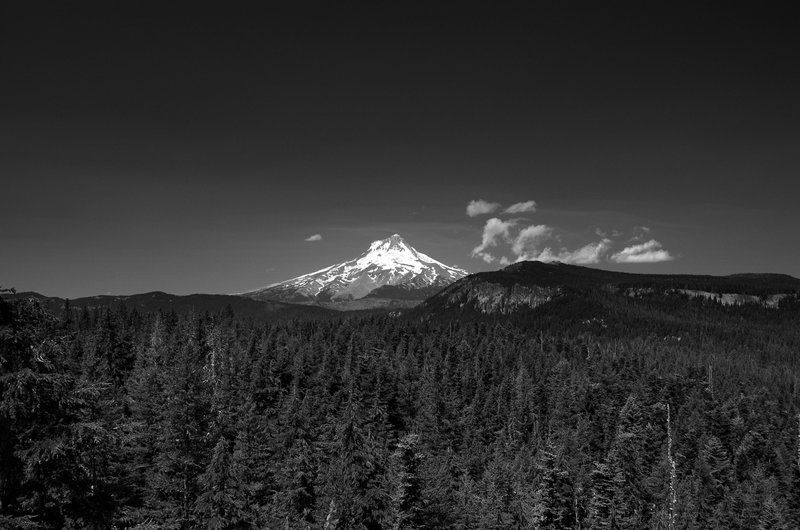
586 255
535 242
543 243
315 237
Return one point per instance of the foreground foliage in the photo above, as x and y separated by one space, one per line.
116 419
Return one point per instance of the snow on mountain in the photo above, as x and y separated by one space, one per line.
387 262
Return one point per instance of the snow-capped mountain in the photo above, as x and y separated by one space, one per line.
391 266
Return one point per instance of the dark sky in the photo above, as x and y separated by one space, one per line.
148 147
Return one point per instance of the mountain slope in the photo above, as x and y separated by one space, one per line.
390 269
527 285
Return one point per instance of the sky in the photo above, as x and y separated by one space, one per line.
163 146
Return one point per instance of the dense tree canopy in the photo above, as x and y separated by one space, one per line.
110 418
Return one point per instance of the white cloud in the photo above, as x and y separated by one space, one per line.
315 237
481 207
493 230
591 253
649 252
522 207
529 239
531 243
585 255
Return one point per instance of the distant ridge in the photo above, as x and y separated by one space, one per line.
182 304
556 273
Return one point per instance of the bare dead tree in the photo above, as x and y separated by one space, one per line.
673 501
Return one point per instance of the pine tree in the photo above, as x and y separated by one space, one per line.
352 477
771 518
793 496
181 446
55 449
405 485
629 454
604 502
500 506
216 505
716 473
252 468
140 427
297 464
552 506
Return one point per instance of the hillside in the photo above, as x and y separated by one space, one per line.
183 304
526 285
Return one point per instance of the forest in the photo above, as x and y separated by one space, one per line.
684 417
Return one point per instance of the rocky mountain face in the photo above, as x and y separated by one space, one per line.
390 272
494 298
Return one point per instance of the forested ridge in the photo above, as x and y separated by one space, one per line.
593 412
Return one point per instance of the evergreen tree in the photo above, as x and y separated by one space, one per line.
405 484
216 505
297 468
352 474
55 466
181 447
715 471
553 499
252 468
603 509
771 518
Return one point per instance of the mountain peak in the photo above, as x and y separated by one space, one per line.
393 241
387 262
